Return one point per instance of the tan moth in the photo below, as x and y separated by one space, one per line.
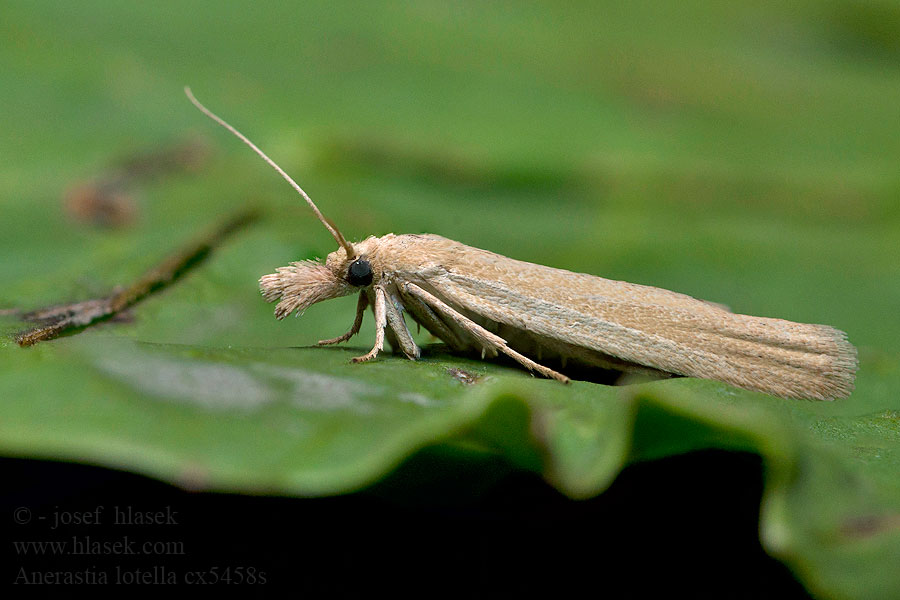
475 300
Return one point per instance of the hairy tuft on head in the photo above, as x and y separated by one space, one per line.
300 285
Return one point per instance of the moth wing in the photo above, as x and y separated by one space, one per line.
642 325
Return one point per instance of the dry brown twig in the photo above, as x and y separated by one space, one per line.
56 320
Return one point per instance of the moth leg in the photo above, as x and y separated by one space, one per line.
401 331
380 323
488 339
390 338
360 311
432 322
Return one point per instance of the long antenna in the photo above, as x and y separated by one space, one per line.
351 253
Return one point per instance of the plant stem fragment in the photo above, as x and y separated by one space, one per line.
56 320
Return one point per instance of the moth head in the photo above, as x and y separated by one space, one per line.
359 266
301 284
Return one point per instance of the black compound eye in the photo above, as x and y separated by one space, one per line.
360 272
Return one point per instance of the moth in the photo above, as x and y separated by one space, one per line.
476 300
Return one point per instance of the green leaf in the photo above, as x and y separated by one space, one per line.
305 421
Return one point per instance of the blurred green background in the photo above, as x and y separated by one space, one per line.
745 153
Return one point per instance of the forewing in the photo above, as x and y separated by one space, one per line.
649 326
